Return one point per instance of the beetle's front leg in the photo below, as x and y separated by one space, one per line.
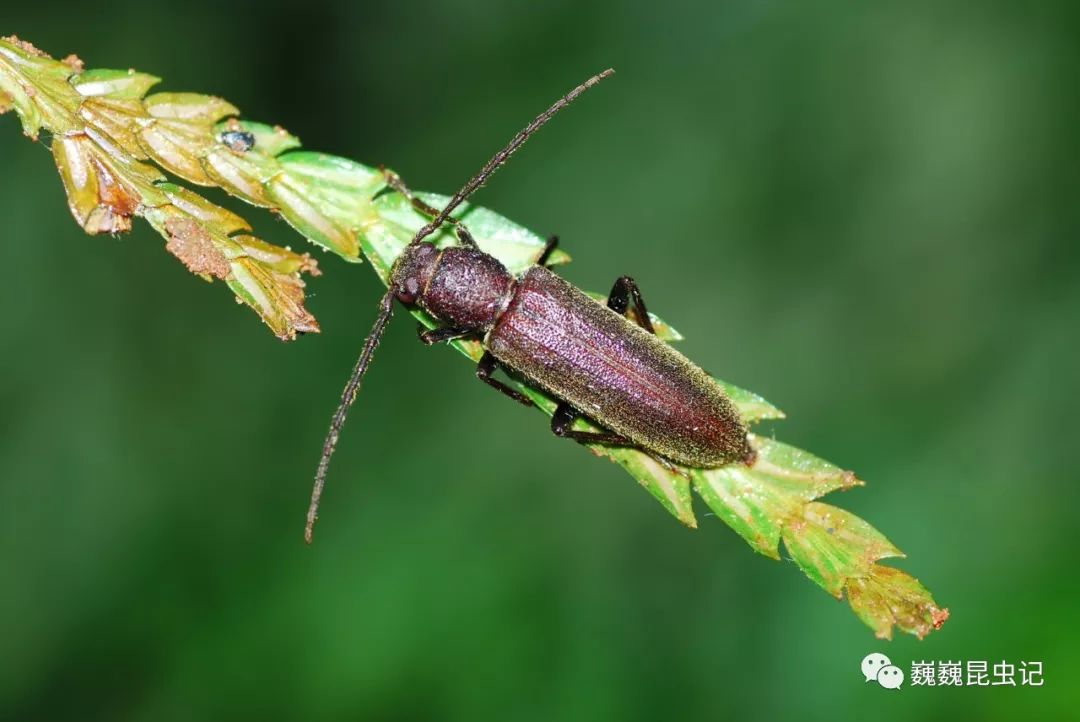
622 292
394 181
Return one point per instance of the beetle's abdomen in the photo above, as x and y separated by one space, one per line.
616 373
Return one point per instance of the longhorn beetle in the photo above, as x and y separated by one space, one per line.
593 359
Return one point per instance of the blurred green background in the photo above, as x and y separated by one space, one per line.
866 212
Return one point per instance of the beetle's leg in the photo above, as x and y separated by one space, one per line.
626 288
670 465
432 336
394 181
563 420
484 371
551 245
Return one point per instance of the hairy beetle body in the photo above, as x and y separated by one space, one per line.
586 355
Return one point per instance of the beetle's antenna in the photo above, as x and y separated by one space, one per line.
504 155
386 310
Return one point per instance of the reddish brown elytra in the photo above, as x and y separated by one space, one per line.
592 358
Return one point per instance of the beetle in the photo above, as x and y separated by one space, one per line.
592 358
239 141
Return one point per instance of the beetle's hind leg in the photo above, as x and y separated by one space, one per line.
394 181
562 422
625 290
564 418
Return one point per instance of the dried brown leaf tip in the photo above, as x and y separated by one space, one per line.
309 265
74 62
885 597
25 46
277 296
102 195
190 242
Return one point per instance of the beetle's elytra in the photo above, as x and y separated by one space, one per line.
592 358
612 370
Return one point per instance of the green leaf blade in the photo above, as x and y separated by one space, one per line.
832 545
105 127
119 84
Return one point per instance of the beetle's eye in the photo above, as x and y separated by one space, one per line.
409 291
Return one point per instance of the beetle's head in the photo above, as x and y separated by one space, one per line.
462 287
413 271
